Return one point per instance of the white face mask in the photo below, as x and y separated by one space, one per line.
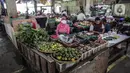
64 21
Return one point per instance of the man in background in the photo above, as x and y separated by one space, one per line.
81 16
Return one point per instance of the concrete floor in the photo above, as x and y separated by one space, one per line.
9 61
121 67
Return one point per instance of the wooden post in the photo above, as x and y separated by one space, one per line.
87 6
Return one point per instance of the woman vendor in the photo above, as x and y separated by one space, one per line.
63 28
97 27
63 31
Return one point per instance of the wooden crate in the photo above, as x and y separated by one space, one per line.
61 67
42 63
102 46
98 65
93 51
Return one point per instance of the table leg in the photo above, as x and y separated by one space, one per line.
127 46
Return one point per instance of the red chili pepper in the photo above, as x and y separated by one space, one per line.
33 25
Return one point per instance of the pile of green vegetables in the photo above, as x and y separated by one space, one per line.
31 37
49 47
83 35
127 19
67 54
110 38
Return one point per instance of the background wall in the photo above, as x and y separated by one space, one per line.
72 6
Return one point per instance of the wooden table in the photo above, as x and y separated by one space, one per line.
114 43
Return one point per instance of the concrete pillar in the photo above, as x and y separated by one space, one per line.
88 4
35 6
11 7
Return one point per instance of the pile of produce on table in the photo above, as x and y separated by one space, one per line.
82 25
97 43
93 45
39 39
49 47
31 37
84 48
85 23
69 40
100 41
110 38
67 54
90 37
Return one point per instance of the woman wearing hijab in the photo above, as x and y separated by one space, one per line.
63 27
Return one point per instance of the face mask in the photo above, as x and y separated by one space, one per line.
63 21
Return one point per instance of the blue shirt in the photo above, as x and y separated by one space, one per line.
107 27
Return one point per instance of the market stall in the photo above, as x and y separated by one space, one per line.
78 52
95 60
46 64
55 57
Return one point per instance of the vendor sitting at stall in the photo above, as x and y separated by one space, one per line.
63 31
63 28
107 25
81 16
97 27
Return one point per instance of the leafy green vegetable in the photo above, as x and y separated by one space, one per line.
31 37
127 19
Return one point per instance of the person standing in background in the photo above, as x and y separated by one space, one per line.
81 16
